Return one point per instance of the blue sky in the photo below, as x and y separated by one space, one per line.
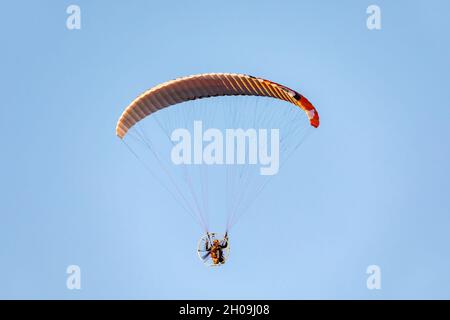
370 186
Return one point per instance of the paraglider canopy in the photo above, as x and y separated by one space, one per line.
208 85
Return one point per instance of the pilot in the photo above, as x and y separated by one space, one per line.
216 250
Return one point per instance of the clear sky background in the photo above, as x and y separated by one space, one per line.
370 186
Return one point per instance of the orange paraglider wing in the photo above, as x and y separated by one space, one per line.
204 86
